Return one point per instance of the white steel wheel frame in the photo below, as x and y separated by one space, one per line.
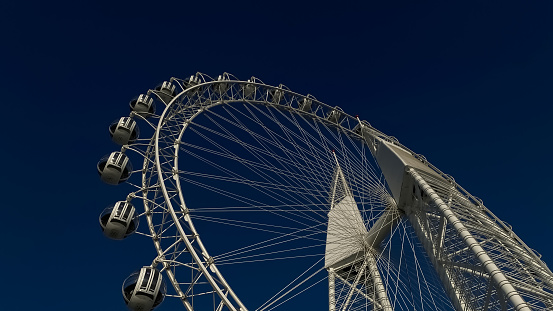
521 281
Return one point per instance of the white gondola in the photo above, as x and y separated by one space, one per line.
276 95
190 83
335 115
124 131
114 168
166 91
248 89
118 221
221 87
144 290
304 104
143 105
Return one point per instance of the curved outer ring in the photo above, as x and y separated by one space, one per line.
211 268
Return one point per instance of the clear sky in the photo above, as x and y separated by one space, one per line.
467 85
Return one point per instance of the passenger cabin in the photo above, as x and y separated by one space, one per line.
166 91
220 87
275 96
144 290
335 115
118 221
143 105
304 104
124 131
249 90
114 168
191 82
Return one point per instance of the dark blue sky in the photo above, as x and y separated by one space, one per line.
467 85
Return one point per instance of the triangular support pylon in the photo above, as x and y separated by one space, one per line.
348 255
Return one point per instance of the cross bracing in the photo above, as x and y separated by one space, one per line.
247 157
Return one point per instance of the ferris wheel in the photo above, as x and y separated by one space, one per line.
259 198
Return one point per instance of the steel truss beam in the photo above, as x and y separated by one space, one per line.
331 290
433 244
368 266
424 237
503 285
359 291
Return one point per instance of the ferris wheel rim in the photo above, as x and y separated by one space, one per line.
159 168
184 237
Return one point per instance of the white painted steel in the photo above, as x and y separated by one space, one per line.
165 207
201 262
380 289
331 290
446 277
498 277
